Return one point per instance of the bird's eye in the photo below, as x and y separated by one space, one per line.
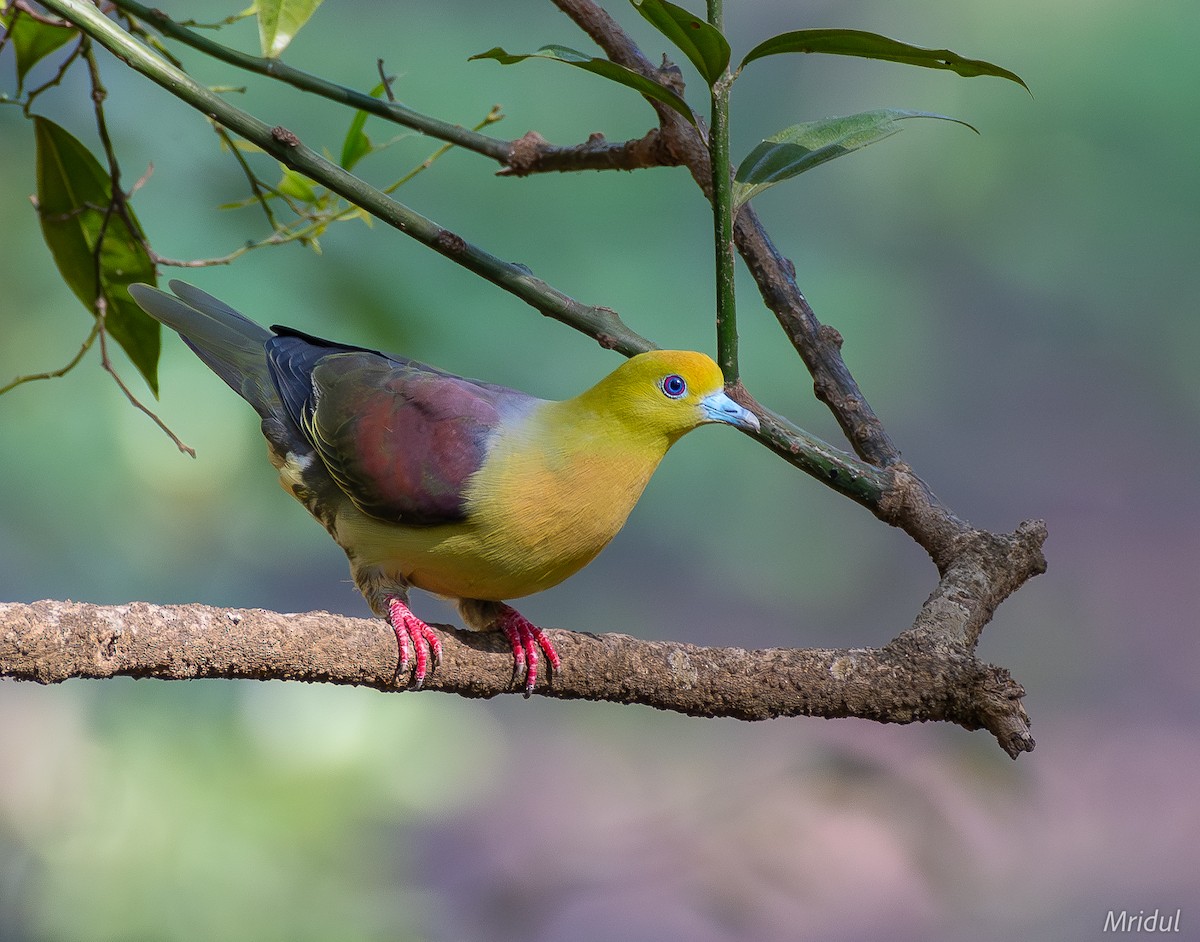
674 386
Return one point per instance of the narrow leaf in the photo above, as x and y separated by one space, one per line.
804 146
695 37
73 191
297 186
33 40
853 42
357 145
279 21
602 67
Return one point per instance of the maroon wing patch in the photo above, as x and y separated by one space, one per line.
400 441
400 438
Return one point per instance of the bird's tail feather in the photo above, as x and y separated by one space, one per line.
229 343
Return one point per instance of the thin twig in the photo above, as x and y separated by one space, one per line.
24 8
116 208
386 81
54 80
133 400
140 182
274 68
490 118
221 24
62 370
251 179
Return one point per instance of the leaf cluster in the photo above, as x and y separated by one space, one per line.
88 222
795 149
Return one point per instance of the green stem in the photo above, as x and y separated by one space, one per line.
722 204
390 110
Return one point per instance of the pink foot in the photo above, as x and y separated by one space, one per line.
525 638
411 630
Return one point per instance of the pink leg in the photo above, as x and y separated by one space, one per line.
410 629
525 638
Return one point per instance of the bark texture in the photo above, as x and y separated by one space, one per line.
909 680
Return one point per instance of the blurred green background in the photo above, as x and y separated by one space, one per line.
1020 308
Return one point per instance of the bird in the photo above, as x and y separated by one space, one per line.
469 490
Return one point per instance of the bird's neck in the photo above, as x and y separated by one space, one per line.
561 482
605 441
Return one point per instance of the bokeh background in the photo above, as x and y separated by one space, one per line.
1021 309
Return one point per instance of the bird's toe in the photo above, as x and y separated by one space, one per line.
526 638
415 640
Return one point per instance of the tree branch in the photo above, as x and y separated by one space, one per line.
526 155
534 154
929 672
51 641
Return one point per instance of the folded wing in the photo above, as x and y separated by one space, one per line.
400 438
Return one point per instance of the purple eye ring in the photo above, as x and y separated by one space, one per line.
673 386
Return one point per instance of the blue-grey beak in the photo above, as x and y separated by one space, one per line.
718 407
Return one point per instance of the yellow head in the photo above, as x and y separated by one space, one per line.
668 393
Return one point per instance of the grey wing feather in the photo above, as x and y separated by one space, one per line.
229 343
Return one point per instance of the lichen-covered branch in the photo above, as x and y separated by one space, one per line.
51 641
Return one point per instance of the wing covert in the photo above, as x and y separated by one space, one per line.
399 438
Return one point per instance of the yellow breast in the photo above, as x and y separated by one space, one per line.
553 492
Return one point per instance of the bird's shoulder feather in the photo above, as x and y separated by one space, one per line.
400 438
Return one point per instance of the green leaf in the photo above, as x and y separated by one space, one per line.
357 145
279 21
695 37
297 186
853 42
73 191
609 70
804 146
32 40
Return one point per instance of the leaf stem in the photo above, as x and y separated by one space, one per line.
722 204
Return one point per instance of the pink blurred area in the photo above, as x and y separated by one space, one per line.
851 833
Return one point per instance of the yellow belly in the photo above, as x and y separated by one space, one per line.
533 519
461 560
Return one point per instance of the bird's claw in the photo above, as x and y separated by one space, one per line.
525 638
413 633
